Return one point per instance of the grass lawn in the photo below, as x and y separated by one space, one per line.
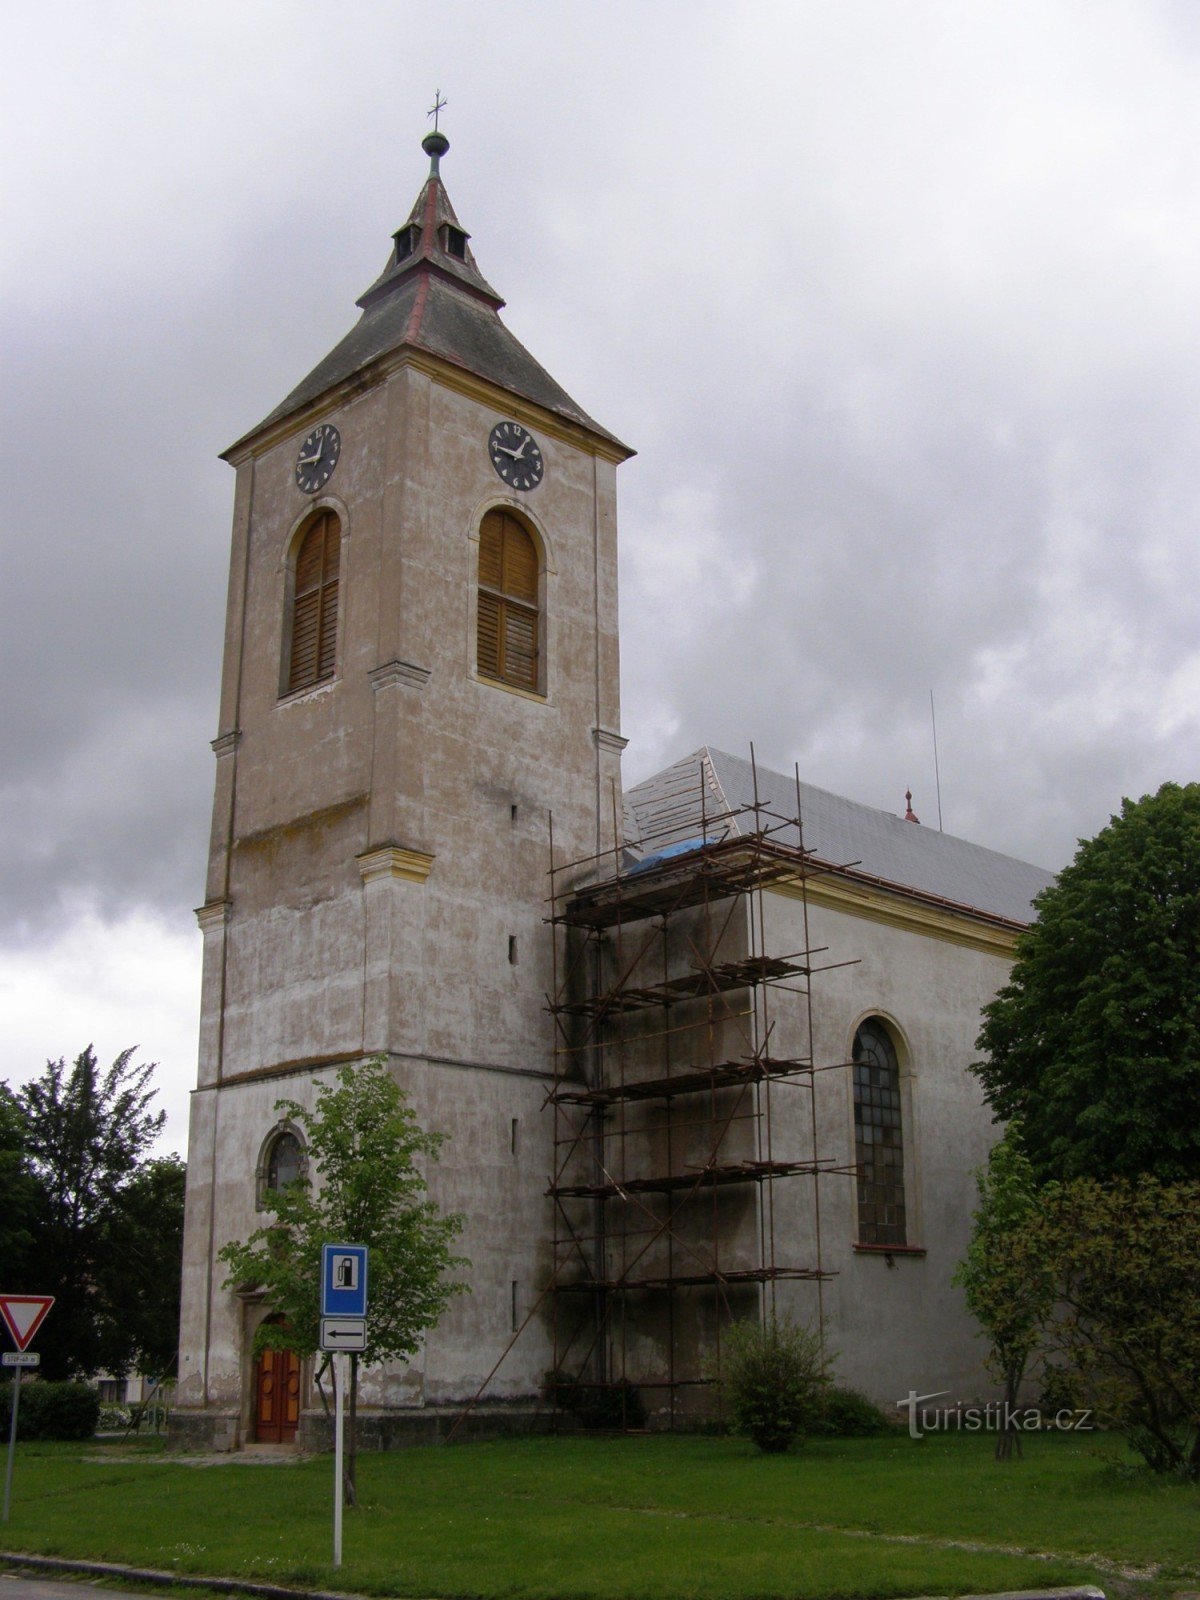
622 1518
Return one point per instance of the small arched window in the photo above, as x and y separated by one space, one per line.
878 1137
313 634
509 625
284 1161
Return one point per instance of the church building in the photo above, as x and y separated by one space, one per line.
700 1047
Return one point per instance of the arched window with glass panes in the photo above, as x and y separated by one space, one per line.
878 1137
509 624
281 1161
312 634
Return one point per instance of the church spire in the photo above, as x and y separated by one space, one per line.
432 297
432 240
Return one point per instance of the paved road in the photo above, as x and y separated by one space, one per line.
23 1588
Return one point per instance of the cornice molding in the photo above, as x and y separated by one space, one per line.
396 671
444 372
392 861
606 739
895 911
213 914
226 743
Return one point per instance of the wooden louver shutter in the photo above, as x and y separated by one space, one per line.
507 645
315 605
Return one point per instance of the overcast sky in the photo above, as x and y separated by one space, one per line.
897 303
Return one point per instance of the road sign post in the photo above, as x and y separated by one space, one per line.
23 1315
343 1329
339 1434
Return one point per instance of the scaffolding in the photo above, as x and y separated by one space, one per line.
676 1027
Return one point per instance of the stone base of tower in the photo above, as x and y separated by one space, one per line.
211 1431
401 1429
219 1432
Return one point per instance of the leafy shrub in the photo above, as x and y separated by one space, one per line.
51 1410
112 1419
846 1414
1060 1390
774 1378
596 1405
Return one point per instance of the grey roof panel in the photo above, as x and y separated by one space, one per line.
669 807
447 322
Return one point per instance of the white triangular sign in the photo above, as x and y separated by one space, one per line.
23 1313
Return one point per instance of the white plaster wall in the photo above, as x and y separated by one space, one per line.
306 965
895 1322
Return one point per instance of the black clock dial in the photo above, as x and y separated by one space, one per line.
516 455
318 456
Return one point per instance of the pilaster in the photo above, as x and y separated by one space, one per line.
394 914
213 918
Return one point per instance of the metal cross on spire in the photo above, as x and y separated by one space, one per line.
438 105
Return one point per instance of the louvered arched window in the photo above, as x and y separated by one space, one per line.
509 632
315 605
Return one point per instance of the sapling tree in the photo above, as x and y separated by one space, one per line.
1007 1277
363 1186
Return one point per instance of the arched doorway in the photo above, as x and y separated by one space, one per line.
276 1395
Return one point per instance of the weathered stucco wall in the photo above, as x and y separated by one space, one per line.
380 848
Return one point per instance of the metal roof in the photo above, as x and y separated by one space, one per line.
706 785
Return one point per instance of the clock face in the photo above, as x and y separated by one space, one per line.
516 455
318 456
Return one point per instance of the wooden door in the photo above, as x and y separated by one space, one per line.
276 1396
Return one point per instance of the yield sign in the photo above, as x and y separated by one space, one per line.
24 1313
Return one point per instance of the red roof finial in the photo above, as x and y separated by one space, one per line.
910 815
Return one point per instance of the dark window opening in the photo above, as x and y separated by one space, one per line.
406 242
283 1164
456 243
878 1137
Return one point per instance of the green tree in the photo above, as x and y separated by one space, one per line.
143 1263
85 1133
1094 1044
1009 1283
363 1143
1126 1263
21 1197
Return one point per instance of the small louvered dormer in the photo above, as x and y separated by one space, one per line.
406 241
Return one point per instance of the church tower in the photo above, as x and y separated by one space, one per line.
421 664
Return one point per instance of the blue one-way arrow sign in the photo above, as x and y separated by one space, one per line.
344 1280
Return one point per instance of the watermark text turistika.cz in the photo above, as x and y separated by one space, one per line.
990 1416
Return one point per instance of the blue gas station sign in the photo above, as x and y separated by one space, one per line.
344 1280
